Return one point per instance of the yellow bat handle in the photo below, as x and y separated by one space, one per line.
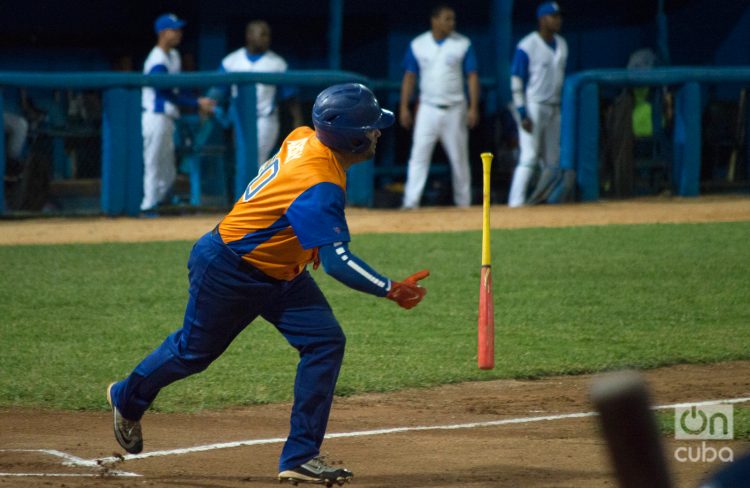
486 166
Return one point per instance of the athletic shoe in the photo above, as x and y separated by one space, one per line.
127 432
316 471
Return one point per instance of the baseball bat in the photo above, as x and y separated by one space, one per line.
486 336
629 426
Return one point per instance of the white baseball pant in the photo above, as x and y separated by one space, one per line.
542 143
268 133
448 125
159 171
17 129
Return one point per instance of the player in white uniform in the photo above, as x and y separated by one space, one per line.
160 111
537 76
442 59
257 57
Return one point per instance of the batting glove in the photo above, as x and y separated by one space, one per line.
408 293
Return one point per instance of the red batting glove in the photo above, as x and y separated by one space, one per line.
408 293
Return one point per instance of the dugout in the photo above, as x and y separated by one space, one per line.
357 37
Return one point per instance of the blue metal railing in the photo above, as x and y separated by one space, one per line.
580 119
122 154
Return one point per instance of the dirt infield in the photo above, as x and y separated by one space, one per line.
467 443
647 210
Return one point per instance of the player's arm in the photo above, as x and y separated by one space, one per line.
317 218
219 93
340 263
472 79
519 72
408 82
177 98
289 98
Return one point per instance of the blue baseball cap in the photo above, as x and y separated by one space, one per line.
547 8
168 21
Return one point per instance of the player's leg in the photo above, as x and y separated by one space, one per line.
454 137
151 138
551 141
527 161
17 128
305 319
268 133
167 167
225 295
426 132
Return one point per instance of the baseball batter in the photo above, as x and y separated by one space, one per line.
256 56
441 58
160 109
537 75
254 263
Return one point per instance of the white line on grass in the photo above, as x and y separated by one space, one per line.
70 460
396 430
66 475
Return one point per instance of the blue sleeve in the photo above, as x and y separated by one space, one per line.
410 62
317 216
286 92
221 92
340 263
170 95
520 66
470 61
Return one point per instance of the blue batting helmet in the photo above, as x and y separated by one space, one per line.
344 113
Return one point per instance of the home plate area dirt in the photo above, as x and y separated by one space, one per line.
503 433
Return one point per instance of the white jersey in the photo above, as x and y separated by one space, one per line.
150 100
268 62
441 76
546 68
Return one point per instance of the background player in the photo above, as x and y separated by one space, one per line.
160 111
254 264
256 56
537 75
441 58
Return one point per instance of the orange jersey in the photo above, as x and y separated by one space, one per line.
295 204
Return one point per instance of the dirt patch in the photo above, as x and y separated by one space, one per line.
51 448
646 210
550 453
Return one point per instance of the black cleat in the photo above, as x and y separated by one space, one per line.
317 472
127 432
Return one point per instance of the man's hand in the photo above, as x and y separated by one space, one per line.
527 125
472 118
405 118
408 293
206 105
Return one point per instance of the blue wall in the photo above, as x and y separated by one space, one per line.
375 36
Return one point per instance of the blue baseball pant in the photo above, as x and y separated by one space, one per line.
226 294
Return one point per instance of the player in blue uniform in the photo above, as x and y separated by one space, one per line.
537 76
254 264
160 110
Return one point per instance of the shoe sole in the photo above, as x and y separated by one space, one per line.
297 478
132 450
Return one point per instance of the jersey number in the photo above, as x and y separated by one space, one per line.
267 172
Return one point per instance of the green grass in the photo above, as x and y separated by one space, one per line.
665 422
572 300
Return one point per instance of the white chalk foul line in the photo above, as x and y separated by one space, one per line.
69 460
396 430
